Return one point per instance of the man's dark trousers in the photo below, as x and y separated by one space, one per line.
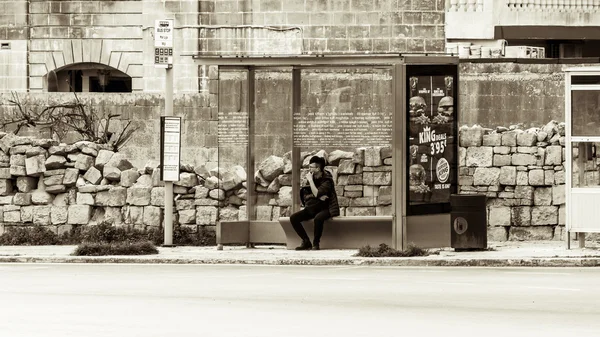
320 215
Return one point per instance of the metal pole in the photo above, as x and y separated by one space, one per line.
169 184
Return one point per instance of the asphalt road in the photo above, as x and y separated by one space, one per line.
236 300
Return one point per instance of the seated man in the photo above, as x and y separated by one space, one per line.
319 200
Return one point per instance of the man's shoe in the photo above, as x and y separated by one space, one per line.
306 245
316 247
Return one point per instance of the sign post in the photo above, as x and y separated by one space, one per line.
171 126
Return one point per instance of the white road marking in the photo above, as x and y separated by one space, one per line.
553 288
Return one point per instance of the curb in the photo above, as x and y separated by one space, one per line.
397 262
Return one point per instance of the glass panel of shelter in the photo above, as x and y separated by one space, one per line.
346 118
585 122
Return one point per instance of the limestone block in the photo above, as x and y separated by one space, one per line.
207 215
336 156
551 128
492 139
182 204
523 159
157 196
153 216
502 160
89 151
521 216
187 216
203 171
180 190
373 156
462 156
187 179
274 186
156 181
216 172
230 181
361 211
530 233
558 195
18 171
271 167
206 202
59 215
85 199
41 215
554 155
18 160
41 197
201 192
544 215
22 199
102 158
471 136
54 180
6 187
26 214
536 177
509 138
486 176
72 157
241 193
213 182
479 156
562 215
548 177
499 216
542 196
71 176
116 196
526 139
35 166
113 215
24 184
119 161
524 192
502 149
55 162
559 177
56 189
4 159
285 180
61 200
217 194
284 197
139 196
145 180
264 213
5 173
58 150
508 175
522 178
129 178
93 175
134 215
84 162
111 173
35 151
7 200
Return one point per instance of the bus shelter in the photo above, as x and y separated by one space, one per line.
582 116
386 123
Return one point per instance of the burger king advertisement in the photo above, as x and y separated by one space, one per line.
432 135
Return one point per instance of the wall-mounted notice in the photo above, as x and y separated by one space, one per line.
233 127
170 149
337 123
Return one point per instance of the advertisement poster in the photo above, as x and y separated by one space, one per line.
431 132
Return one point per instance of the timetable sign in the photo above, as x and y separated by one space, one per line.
170 154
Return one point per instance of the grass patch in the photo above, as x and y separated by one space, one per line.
103 232
28 236
386 251
115 248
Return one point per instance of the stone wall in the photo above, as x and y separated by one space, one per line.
44 183
522 173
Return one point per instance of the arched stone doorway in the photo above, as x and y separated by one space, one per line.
87 77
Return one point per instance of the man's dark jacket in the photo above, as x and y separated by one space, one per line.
325 186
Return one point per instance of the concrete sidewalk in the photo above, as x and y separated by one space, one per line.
499 254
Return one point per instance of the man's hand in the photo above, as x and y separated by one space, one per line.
309 176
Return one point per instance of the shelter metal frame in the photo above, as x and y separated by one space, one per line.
395 63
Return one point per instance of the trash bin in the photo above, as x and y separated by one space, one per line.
468 221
